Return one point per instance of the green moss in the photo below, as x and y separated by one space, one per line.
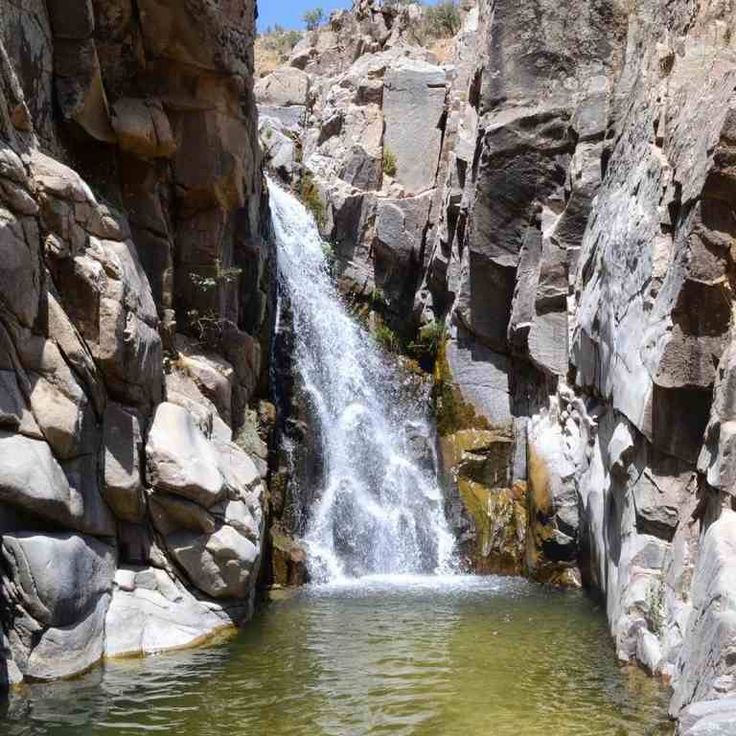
655 606
452 412
310 197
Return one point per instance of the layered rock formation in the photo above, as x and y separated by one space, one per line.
131 213
559 194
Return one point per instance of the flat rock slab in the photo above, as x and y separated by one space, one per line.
413 107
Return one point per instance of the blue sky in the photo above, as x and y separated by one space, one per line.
288 13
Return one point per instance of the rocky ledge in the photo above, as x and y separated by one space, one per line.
131 471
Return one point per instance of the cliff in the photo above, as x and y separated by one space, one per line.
134 311
558 193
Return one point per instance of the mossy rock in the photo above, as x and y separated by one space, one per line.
452 412
500 520
288 560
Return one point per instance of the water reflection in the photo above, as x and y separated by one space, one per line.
411 656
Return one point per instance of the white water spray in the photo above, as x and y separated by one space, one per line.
380 511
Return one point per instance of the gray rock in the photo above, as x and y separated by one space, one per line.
161 616
704 668
284 87
482 377
32 479
123 443
291 117
179 458
708 718
20 274
222 564
60 577
68 650
413 105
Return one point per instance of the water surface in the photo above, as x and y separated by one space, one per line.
461 655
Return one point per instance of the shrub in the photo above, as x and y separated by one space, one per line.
313 18
442 20
389 162
220 275
399 3
273 48
430 339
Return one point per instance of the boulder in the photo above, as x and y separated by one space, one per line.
32 480
222 564
62 581
179 458
152 612
284 87
59 577
172 513
279 148
708 718
68 650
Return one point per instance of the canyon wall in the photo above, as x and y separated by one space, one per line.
134 314
558 192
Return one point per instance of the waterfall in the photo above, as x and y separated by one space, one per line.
380 509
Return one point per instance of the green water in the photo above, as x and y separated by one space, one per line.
491 656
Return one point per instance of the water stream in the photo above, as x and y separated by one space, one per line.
380 510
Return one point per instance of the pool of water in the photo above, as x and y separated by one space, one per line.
464 655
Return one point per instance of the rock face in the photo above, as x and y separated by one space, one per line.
131 210
557 194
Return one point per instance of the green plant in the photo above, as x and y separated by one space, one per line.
430 340
377 299
400 3
313 18
387 338
310 197
442 20
220 275
389 162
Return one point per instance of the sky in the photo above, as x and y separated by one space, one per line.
288 13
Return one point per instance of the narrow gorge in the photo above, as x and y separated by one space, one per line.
368 378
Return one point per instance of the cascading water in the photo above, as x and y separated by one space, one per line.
379 511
